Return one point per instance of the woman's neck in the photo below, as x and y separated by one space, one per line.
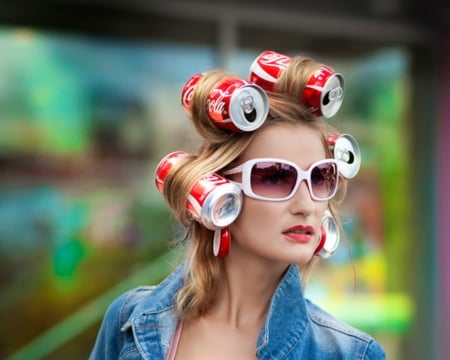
245 292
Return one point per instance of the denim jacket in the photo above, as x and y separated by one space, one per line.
140 325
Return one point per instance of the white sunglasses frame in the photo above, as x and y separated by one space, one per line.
246 168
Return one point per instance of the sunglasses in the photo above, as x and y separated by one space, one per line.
277 180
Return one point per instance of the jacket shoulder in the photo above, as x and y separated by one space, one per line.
147 299
114 336
109 341
343 336
126 304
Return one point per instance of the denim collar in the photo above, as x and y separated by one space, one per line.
154 320
286 320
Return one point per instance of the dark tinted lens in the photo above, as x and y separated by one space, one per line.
273 180
324 180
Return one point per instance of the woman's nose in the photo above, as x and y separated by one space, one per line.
302 202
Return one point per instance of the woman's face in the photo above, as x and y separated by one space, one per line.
287 231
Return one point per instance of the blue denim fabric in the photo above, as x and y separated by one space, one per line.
140 325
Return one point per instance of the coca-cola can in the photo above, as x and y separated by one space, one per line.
346 151
164 167
213 201
188 91
267 68
234 104
324 92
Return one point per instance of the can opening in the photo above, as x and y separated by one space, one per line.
346 156
326 98
251 116
226 209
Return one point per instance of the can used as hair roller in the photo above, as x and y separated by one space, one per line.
188 91
233 104
323 91
267 68
165 165
213 200
346 151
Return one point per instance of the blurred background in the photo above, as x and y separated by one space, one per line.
90 102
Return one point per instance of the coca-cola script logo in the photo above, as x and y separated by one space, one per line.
323 73
214 179
274 60
217 101
205 185
216 106
188 90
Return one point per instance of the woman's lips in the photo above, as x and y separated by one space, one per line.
299 233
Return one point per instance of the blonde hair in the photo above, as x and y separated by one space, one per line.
295 77
219 150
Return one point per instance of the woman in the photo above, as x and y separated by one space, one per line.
248 304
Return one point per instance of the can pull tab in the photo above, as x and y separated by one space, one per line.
344 155
248 107
333 95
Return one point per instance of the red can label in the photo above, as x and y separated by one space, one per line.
267 68
165 165
200 192
323 82
213 200
188 91
219 102
331 140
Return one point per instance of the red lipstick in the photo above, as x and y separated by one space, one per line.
299 233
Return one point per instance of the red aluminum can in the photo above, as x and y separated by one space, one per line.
346 151
213 200
233 104
324 92
164 167
188 91
267 68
